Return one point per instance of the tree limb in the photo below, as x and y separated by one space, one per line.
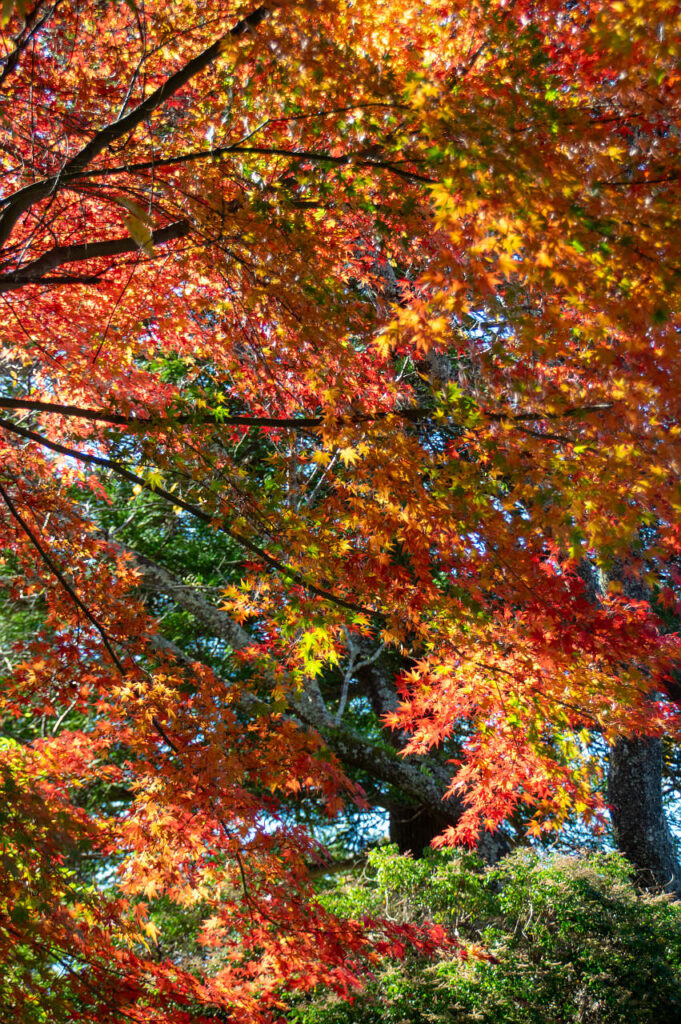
34 272
197 417
312 155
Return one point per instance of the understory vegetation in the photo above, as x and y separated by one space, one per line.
557 940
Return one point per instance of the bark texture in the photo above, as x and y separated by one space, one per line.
634 792
639 822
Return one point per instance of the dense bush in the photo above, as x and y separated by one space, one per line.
570 940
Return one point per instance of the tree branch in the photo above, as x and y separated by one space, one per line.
57 573
244 542
312 155
34 272
22 201
31 27
197 417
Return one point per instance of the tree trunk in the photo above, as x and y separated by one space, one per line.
639 823
413 828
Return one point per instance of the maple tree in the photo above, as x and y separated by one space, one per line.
383 300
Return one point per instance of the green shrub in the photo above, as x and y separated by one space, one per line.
571 940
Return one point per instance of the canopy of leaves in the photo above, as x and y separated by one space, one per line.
380 303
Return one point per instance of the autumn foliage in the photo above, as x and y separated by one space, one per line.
427 254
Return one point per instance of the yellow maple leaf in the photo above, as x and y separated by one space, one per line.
349 456
152 931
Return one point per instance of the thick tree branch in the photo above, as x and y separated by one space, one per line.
36 271
157 579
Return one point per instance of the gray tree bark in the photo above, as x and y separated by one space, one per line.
639 823
634 792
